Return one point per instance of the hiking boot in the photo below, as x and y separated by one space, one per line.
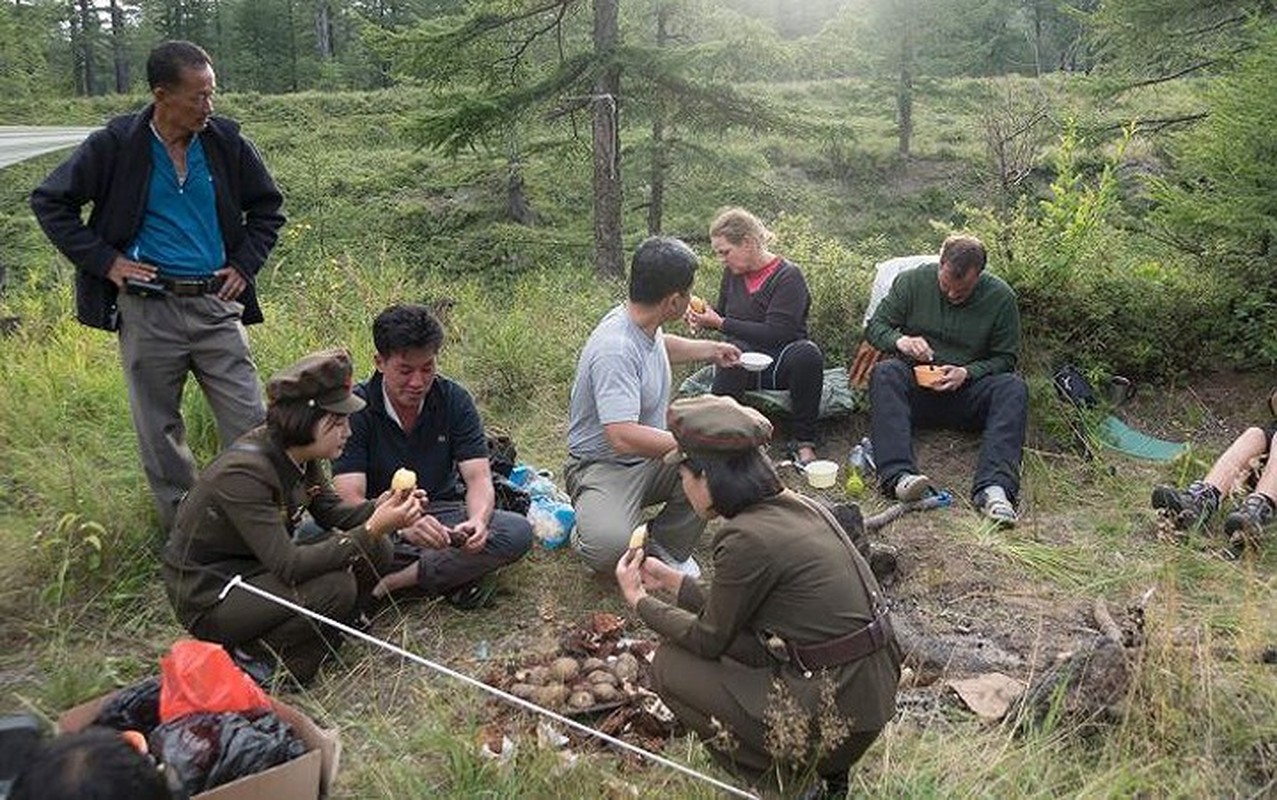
1187 508
1244 525
910 487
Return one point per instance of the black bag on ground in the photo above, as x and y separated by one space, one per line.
209 749
502 458
135 708
1074 388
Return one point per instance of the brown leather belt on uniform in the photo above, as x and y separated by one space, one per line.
843 650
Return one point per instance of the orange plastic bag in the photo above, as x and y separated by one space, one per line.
200 676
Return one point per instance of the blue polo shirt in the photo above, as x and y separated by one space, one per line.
448 430
180 232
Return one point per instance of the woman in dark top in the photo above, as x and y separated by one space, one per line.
240 517
792 633
762 307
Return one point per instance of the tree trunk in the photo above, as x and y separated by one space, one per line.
608 258
660 148
118 51
904 91
87 28
324 31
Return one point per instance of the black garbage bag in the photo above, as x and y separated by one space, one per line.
133 708
210 749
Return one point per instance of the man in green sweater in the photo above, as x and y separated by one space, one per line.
965 323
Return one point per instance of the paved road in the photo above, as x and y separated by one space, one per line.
20 142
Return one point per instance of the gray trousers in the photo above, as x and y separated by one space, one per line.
162 339
609 500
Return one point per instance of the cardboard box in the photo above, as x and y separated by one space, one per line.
305 778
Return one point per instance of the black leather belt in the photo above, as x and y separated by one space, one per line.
191 287
843 650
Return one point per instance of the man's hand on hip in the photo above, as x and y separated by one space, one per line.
122 269
233 283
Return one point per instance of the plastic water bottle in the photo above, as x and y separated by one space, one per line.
856 471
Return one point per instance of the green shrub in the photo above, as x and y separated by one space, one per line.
1093 291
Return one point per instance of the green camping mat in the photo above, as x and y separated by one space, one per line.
1116 434
837 398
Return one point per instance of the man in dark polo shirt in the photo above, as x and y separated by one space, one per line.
420 420
184 215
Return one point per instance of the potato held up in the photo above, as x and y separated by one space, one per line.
638 538
697 304
404 480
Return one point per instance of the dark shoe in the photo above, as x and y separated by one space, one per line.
1193 506
1244 525
829 788
792 452
257 667
474 595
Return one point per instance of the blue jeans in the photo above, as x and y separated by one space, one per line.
997 405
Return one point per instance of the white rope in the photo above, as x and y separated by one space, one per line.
238 581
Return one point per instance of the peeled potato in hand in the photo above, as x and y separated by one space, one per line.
404 480
638 538
697 304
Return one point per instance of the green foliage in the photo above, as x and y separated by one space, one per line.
1091 291
1220 204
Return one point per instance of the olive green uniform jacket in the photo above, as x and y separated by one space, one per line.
778 566
239 518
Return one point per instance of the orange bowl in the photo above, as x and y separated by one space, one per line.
928 375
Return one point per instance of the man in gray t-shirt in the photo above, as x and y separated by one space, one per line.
616 429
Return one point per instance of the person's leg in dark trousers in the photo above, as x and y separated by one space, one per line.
892 394
800 368
733 381
998 405
446 570
300 642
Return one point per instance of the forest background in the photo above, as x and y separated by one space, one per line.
500 157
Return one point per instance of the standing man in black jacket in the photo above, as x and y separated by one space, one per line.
184 215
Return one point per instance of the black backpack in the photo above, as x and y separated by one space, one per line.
1074 388
502 457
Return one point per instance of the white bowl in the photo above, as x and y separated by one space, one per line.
755 362
821 474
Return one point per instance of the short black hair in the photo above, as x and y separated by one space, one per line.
95 763
736 479
406 327
662 266
165 64
292 424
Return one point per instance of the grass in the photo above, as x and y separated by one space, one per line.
373 221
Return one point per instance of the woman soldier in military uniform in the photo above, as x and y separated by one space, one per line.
791 625
240 516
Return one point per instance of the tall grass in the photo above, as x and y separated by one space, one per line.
374 221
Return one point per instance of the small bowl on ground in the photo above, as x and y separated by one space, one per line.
821 474
755 362
928 375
